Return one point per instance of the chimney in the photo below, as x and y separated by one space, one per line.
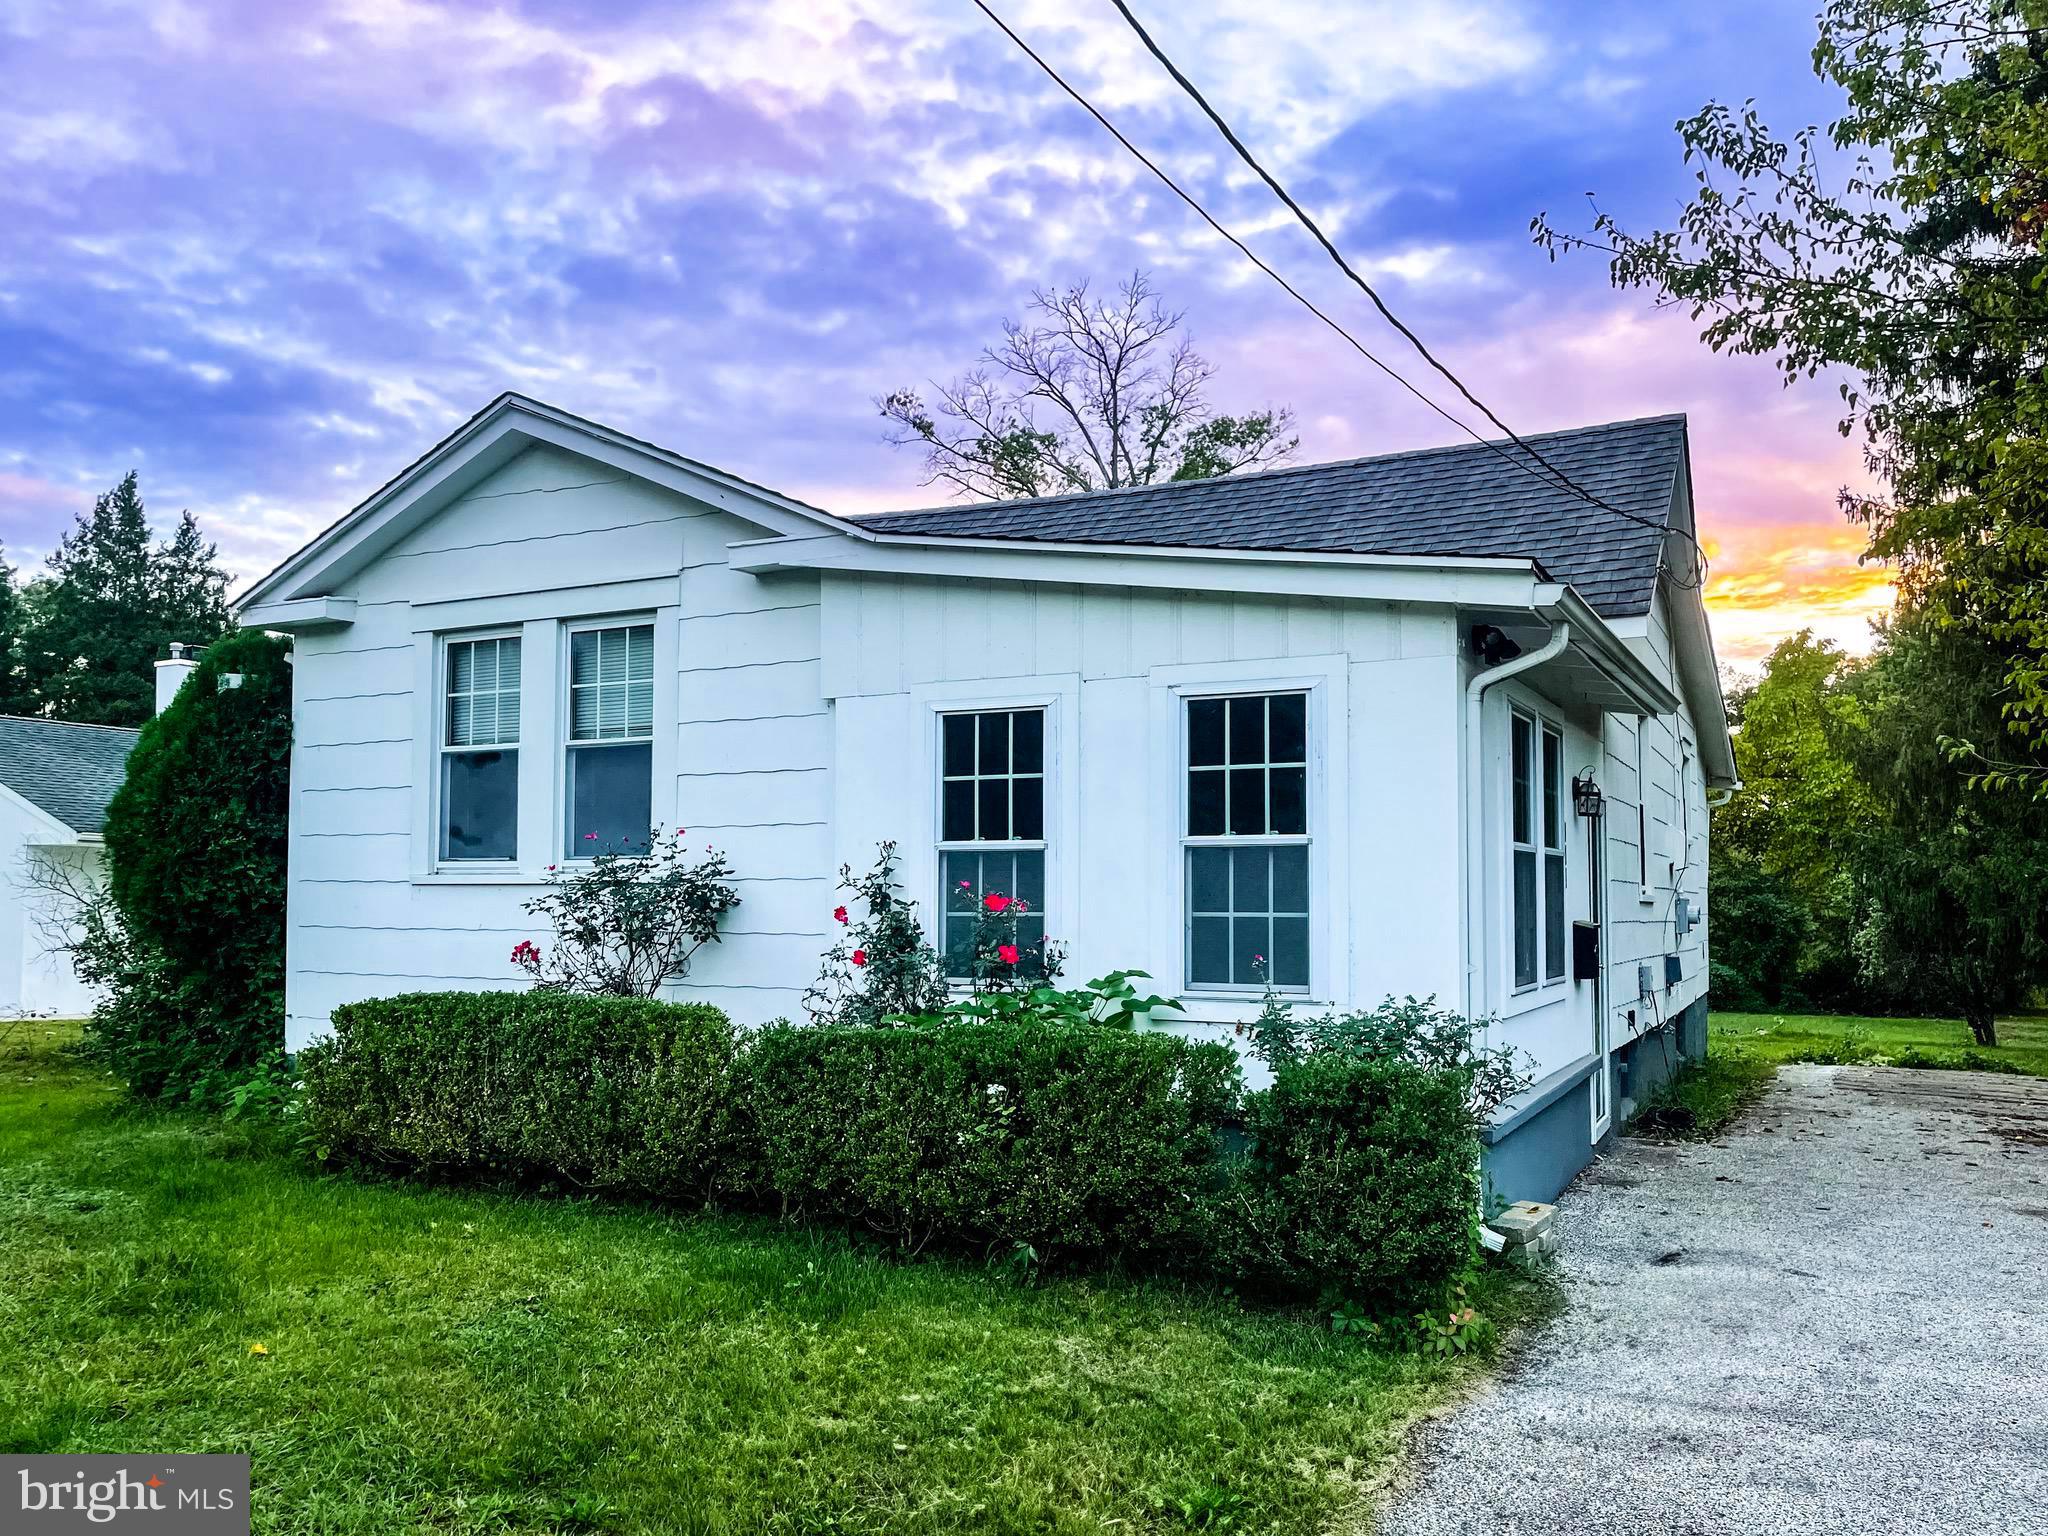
171 675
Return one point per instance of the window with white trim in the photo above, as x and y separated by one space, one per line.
479 749
1536 852
608 741
1553 854
1642 811
992 828
1246 841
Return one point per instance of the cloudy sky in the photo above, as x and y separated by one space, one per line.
267 253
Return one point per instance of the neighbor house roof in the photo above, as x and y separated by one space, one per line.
69 771
1472 500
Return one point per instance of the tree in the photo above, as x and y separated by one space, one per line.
114 600
190 946
1908 245
14 696
1095 394
1953 884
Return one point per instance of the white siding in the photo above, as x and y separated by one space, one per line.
743 760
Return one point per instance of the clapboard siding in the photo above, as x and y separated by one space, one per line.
747 770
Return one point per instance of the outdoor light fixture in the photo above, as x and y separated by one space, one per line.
1494 644
1586 797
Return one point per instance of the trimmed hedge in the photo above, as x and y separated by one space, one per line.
612 1093
1361 1177
1077 1139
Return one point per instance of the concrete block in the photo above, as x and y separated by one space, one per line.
1524 1222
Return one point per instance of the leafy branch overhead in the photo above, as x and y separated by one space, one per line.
1092 393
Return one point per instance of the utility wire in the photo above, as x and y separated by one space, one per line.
1208 218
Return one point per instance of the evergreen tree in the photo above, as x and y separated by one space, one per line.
11 694
115 600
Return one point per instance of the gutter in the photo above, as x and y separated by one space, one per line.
1475 797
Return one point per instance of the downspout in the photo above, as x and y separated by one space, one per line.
1475 798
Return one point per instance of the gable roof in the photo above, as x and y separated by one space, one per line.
67 771
1470 500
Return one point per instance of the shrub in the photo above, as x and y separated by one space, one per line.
629 920
1056 1138
622 1094
883 969
1360 1180
195 842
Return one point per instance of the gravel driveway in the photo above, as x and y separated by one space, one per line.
1834 1320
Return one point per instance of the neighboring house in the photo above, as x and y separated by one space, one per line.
1330 716
55 782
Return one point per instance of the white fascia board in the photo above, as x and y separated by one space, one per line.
300 613
41 820
501 432
1385 578
1605 646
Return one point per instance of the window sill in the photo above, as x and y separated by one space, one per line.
477 877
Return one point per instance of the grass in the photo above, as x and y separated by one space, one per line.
402 1358
1840 1038
1714 1090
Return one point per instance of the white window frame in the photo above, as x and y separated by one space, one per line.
1233 840
1042 844
1333 950
563 746
1643 891
1547 731
441 750
1541 992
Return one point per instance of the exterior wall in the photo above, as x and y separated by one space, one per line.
34 979
1111 665
741 748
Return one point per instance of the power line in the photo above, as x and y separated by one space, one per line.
1302 299
1379 303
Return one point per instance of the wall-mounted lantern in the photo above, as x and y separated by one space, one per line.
1586 797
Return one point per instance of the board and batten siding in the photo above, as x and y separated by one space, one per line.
1112 666
1642 920
742 756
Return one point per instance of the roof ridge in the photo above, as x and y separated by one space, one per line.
76 725
1268 474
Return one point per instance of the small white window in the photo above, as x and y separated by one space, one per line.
1642 809
1553 855
1522 844
1247 841
992 828
609 746
479 746
1536 830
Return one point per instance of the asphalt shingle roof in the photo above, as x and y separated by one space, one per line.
1474 500
71 771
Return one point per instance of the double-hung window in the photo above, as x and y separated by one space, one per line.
1247 841
608 748
1536 833
479 778
992 828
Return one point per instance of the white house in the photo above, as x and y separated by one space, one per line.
56 779
1348 717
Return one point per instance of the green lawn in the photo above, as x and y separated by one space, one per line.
2022 1047
400 1358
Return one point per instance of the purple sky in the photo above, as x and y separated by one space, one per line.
267 253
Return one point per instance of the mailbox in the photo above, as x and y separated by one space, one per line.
1585 951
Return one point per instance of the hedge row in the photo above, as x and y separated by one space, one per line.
1356 1176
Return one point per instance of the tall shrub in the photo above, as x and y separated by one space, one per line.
196 876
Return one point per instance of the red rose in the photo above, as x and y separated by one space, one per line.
839 914
860 957
994 902
1008 952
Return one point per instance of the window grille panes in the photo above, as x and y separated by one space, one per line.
1248 916
1522 836
992 792
483 692
1248 766
992 776
609 748
479 778
1247 907
1553 856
